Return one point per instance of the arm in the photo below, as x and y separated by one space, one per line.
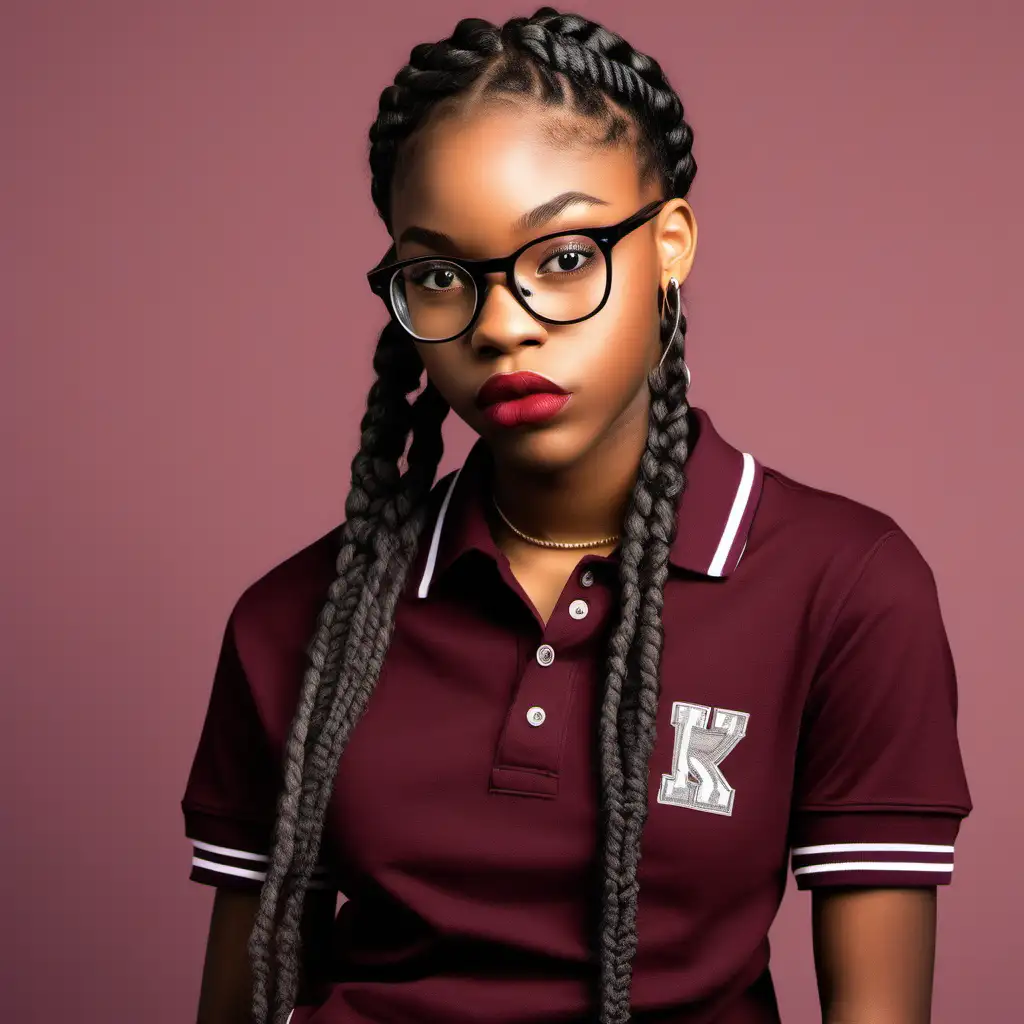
226 993
880 791
874 954
229 808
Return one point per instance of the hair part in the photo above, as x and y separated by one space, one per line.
572 66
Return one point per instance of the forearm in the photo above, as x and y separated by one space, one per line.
874 951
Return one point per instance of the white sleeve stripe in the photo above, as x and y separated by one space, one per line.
244 872
872 865
806 851
290 1015
226 851
227 869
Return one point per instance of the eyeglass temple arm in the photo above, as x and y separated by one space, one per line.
637 219
388 257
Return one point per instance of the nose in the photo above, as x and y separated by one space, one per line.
504 325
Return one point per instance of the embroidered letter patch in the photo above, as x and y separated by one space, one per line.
697 780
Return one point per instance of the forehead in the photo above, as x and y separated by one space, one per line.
471 174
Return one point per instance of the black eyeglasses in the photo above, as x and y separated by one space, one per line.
561 278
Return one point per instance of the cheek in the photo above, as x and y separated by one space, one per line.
625 337
442 365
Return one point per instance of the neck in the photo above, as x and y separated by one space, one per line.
583 501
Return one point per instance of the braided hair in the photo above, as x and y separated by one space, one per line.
557 60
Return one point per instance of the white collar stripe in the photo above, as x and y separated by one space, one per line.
435 540
725 544
732 524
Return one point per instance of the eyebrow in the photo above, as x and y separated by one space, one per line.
529 221
540 215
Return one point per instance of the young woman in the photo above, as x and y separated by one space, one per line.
610 676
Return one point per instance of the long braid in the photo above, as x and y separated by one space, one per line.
375 507
659 486
588 53
384 582
377 492
550 57
394 551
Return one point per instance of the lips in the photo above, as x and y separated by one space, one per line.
507 387
520 399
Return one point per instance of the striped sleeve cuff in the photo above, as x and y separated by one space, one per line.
225 867
233 854
873 850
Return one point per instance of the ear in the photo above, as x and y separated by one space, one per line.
677 240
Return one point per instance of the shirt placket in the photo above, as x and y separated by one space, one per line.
529 754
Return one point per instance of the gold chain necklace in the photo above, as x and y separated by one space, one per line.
560 545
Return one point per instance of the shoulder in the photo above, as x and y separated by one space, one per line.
819 526
279 609
833 547
277 612
826 521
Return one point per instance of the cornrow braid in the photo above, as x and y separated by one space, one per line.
586 52
435 72
589 54
554 59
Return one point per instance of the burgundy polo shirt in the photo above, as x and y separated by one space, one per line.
807 723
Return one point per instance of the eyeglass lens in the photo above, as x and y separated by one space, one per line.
561 279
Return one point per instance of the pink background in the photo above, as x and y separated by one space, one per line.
186 341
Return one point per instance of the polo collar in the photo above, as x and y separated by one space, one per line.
716 510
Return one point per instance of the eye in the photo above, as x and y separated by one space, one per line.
568 261
435 277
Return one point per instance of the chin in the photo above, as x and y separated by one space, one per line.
547 449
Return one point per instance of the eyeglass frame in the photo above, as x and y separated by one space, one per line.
605 238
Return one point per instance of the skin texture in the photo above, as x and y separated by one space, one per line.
570 479
874 951
225 995
508 165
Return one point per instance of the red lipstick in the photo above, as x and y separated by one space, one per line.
515 399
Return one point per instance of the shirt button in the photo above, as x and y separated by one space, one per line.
535 716
587 579
579 609
545 655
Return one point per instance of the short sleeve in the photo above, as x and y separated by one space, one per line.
231 796
880 789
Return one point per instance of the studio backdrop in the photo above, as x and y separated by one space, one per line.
185 343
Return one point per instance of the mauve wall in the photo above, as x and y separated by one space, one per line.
186 334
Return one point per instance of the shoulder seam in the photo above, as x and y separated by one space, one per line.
857 576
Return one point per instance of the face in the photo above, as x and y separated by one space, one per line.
466 186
